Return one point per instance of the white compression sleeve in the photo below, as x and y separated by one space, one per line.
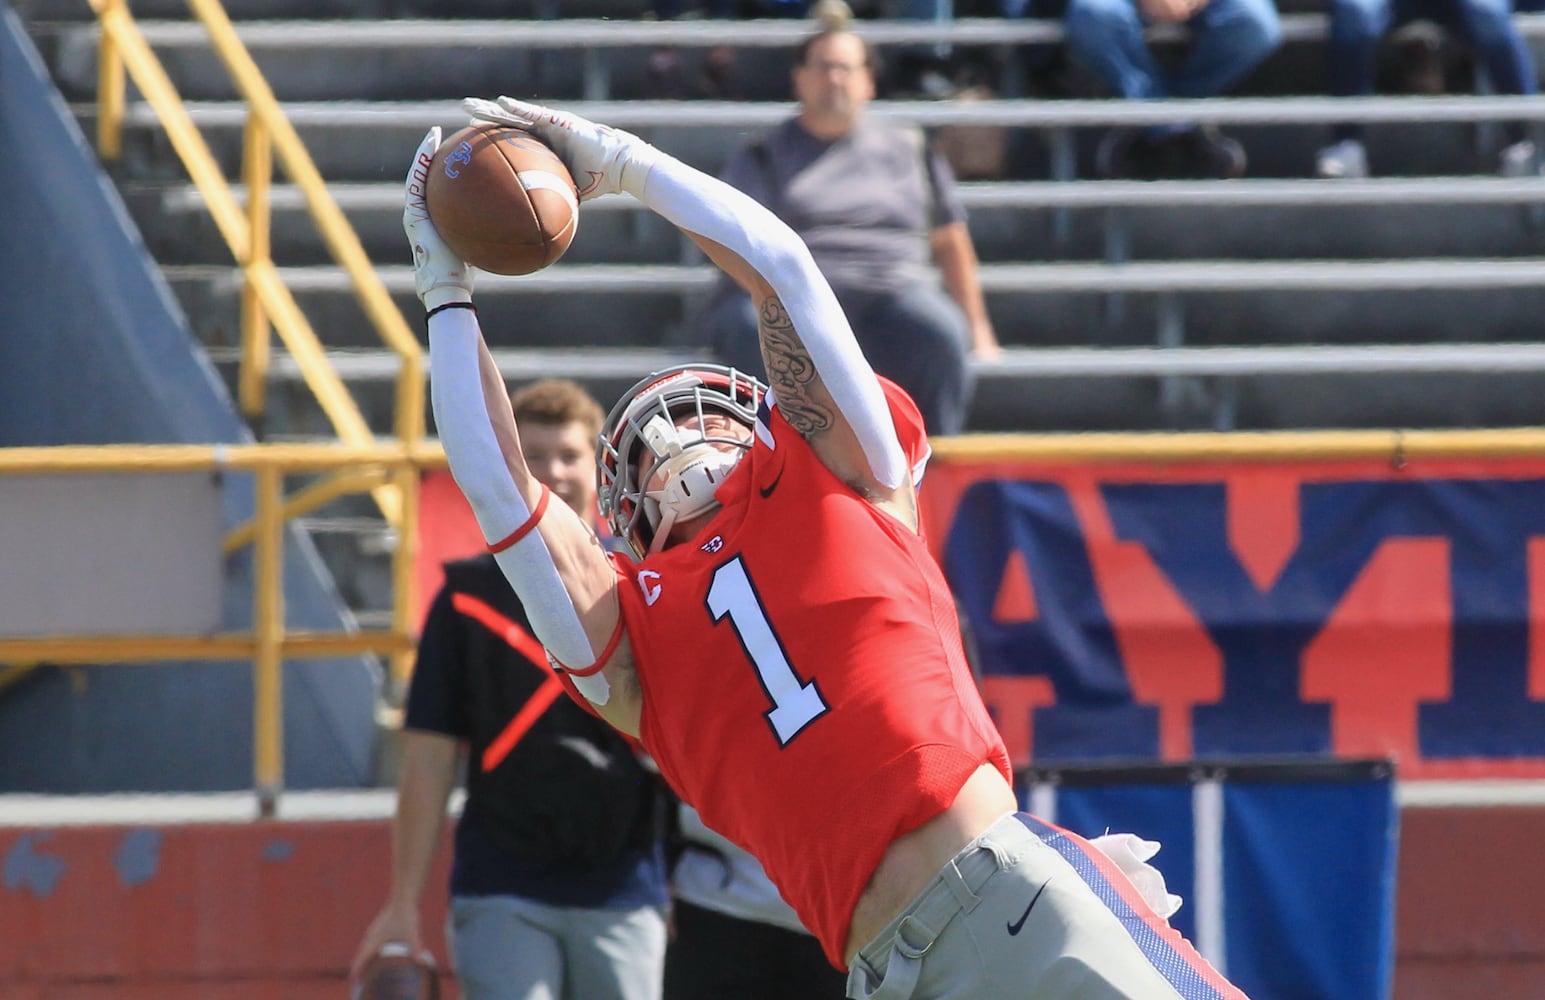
707 206
479 468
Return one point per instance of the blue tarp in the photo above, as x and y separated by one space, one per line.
1303 855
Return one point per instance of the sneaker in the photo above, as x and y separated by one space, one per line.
1204 152
1113 157
665 77
1419 55
1521 159
1345 160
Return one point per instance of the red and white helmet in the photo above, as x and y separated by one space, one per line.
640 439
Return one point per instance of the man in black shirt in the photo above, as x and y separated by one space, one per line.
558 887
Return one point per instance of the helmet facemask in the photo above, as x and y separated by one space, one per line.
641 440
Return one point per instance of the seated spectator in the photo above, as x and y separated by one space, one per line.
925 69
666 76
1356 28
874 202
1229 38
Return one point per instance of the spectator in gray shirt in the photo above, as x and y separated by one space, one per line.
877 206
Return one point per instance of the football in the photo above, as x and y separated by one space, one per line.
501 199
397 974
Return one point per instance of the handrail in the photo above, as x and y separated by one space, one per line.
265 297
1149 276
331 222
1250 192
754 33
1010 112
269 642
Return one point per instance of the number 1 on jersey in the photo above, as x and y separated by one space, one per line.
795 705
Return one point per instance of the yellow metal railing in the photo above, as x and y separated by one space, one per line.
269 642
356 468
265 300
390 471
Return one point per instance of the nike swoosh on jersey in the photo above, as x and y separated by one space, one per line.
767 490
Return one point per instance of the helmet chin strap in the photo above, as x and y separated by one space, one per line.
692 471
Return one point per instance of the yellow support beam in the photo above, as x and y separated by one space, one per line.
404 567
138 649
139 458
110 88
118 25
257 168
268 625
264 298
332 224
267 307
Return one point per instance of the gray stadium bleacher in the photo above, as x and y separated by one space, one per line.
357 139
1272 302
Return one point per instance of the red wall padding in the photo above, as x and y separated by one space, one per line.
252 911
273 911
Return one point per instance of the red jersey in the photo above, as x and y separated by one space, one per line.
804 684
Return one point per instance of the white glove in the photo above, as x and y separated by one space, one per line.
439 276
602 159
1131 854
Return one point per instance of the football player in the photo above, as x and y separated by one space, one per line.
786 646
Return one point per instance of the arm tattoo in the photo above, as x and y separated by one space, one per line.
791 372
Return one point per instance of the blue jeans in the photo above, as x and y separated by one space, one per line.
940 12
1229 38
1357 26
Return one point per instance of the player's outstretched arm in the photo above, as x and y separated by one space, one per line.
819 375
550 556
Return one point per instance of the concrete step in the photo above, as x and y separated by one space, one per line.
374 141
370 141
46 11
642 305
417 60
1131 389
575 58
401 59
1216 303
179 229
1010 221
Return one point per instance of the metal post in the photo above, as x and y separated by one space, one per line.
404 558
1171 334
110 85
1064 167
257 172
1118 250
268 630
